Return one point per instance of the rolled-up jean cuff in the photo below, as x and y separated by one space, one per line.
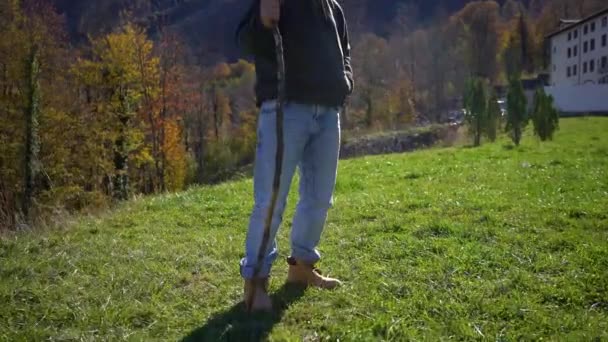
247 272
310 258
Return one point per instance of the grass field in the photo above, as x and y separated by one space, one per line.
495 243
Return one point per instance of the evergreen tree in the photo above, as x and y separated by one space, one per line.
517 118
544 115
493 117
476 107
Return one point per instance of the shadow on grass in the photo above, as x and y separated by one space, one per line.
236 324
469 146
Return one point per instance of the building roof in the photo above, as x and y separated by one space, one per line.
572 23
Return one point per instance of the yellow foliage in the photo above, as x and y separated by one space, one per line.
242 67
222 70
175 156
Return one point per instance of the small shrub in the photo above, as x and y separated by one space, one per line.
544 116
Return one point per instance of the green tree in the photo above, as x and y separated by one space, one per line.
544 115
493 117
517 118
475 104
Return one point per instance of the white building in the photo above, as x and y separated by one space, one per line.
579 64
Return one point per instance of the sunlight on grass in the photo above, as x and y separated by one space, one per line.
496 243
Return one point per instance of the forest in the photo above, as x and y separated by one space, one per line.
97 113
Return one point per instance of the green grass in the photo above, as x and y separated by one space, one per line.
494 243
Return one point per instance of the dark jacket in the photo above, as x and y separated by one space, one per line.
317 52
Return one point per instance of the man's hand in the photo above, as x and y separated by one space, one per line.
270 12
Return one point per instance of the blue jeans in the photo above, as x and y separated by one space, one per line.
312 143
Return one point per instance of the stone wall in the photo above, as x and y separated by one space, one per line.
398 142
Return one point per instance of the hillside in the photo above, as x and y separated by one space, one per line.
495 243
208 25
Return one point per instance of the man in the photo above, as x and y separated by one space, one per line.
318 79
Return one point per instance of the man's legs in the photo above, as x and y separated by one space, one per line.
296 134
318 177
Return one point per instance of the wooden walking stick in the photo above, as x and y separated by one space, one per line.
278 166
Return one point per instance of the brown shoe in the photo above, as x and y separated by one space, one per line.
256 295
306 274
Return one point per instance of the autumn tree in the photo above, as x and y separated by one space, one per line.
405 19
147 81
172 104
32 35
115 74
482 20
216 88
240 93
518 57
536 7
521 48
446 68
130 113
32 137
161 72
196 120
404 84
174 153
372 72
220 118
511 9
13 66
429 67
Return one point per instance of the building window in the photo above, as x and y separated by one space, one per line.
585 68
592 65
605 22
604 62
568 72
575 33
593 26
575 70
576 51
604 39
569 52
569 36
585 47
585 29
592 44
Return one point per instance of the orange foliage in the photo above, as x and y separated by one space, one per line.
175 156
